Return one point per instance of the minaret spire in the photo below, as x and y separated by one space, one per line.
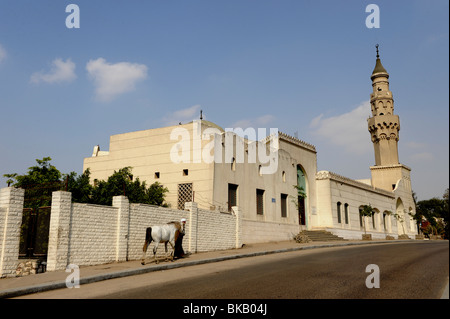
379 67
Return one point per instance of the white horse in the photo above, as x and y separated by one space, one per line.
161 234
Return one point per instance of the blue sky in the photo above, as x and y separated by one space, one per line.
300 66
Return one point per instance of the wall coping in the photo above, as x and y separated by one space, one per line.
324 175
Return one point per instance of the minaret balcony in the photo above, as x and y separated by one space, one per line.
384 123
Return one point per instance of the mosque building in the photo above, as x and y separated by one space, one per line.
273 180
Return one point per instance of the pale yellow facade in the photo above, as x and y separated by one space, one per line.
148 153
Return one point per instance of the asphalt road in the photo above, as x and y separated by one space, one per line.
406 270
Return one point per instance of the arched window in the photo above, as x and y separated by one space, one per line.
346 213
384 221
339 212
374 226
233 164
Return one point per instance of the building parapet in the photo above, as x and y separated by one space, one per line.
322 175
293 140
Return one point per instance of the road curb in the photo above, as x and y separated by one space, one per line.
15 292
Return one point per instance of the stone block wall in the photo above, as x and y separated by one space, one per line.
215 230
85 234
93 231
204 231
11 208
262 231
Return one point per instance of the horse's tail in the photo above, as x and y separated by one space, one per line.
148 235
148 238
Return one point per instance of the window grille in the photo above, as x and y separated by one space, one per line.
184 194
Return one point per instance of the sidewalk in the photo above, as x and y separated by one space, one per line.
12 287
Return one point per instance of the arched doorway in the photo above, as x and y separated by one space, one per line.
302 187
400 213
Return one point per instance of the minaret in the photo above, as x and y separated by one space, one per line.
384 126
388 173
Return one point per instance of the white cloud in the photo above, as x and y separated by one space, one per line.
2 53
183 116
348 130
112 80
60 72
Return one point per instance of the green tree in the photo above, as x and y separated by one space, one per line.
80 187
39 183
436 212
44 178
122 183
446 214
156 193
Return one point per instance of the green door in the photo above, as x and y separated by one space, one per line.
301 183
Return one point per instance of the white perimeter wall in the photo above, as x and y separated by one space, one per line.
85 234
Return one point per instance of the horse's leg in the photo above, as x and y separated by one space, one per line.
154 251
165 246
144 249
173 250
148 239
